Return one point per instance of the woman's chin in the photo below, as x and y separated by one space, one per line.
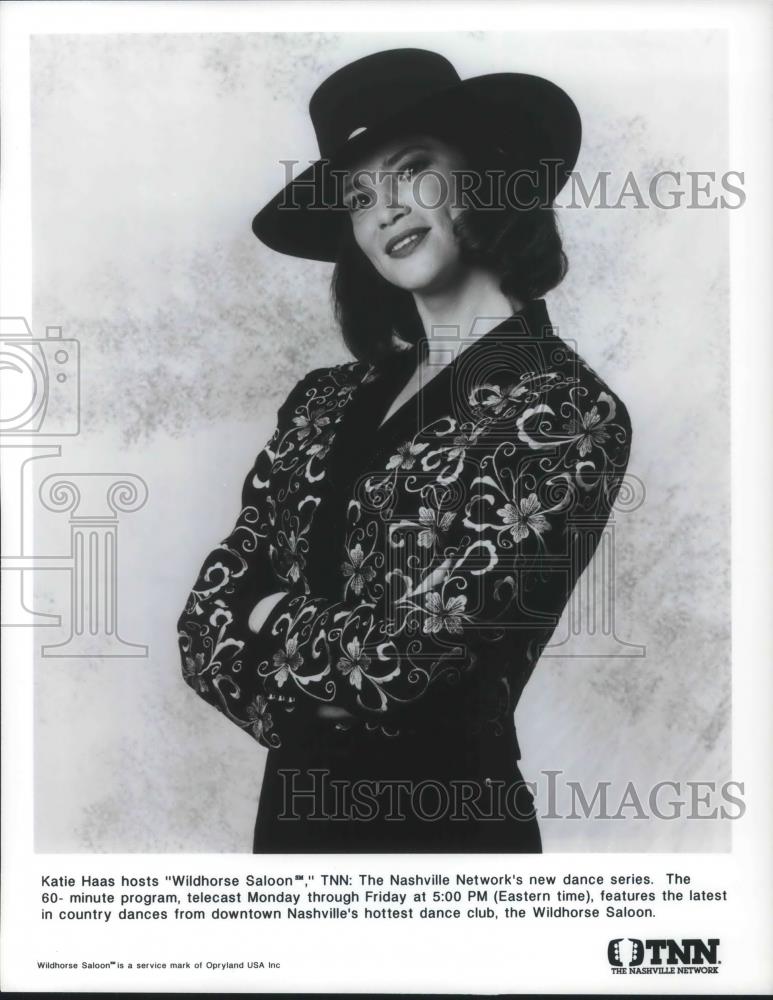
421 278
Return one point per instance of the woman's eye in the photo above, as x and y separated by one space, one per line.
407 172
358 200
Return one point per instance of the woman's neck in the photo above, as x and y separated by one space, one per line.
473 305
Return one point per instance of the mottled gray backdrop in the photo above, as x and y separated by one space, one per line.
150 155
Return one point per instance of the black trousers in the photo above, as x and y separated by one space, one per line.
359 793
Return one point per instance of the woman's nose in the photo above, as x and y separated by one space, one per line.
390 208
388 217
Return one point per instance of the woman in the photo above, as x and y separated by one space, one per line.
413 530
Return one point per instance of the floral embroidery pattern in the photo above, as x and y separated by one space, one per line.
321 446
358 573
449 616
287 661
259 719
290 559
434 525
525 517
588 429
497 399
461 443
192 670
310 425
435 546
354 664
406 455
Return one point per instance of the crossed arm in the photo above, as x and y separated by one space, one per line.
502 561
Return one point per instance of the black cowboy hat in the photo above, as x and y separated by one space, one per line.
528 120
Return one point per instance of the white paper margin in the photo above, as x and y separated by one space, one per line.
463 957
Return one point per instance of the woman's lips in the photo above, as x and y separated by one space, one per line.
405 243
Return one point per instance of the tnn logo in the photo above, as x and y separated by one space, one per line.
688 951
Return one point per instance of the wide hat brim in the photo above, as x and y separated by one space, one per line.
531 121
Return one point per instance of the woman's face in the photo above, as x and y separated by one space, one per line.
402 204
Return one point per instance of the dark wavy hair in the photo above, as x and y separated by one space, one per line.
521 246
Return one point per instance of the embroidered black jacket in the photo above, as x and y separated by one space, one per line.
427 560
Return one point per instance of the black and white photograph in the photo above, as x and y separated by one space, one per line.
426 426
373 431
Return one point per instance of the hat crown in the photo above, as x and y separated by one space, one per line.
373 89
527 121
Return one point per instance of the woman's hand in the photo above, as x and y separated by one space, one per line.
332 713
258 617
263 609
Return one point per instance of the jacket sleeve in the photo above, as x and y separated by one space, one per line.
492 565
217 648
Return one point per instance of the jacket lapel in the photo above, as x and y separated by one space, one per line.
430 425
500 355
